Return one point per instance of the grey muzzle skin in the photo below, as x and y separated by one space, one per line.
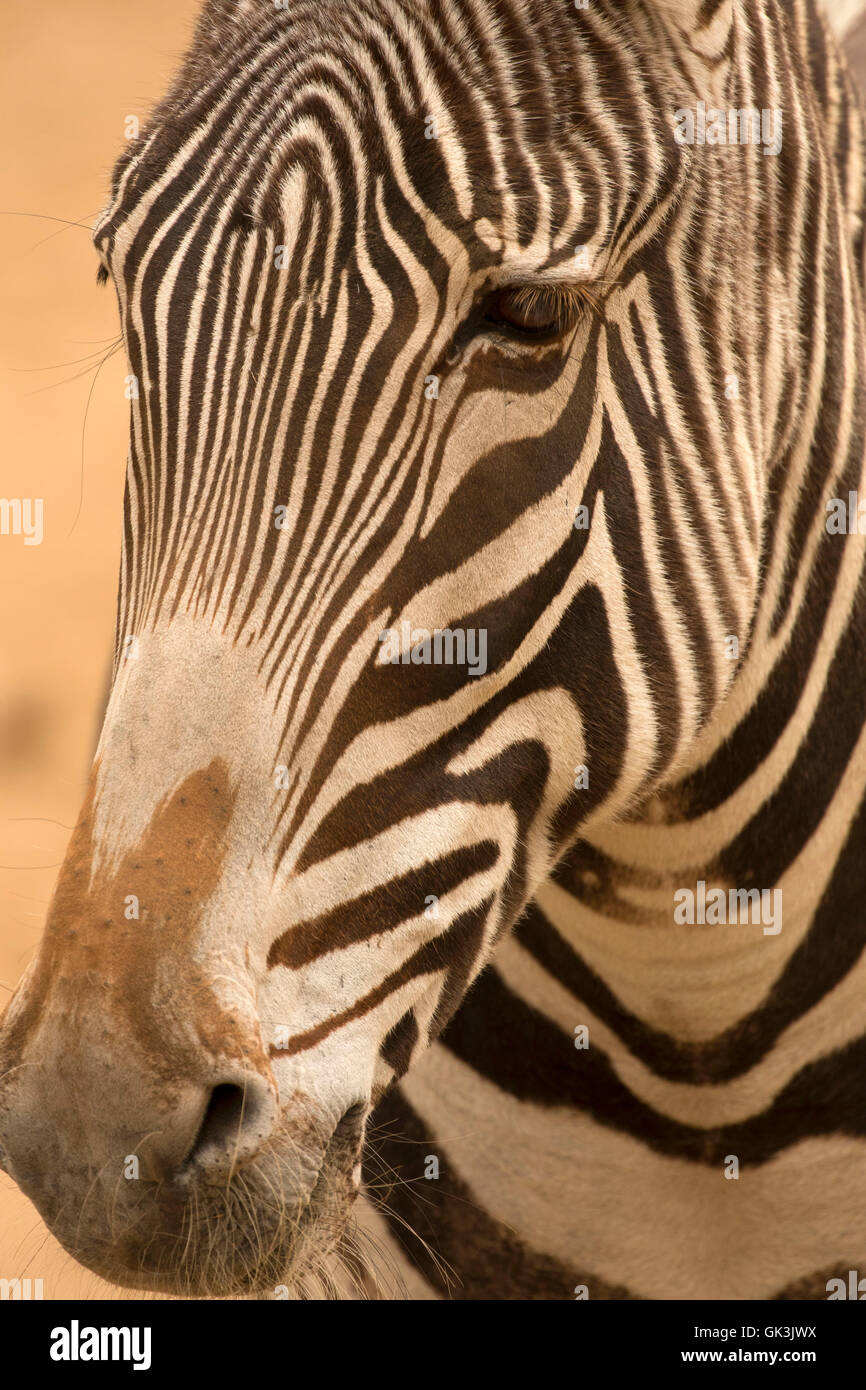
138 1110
222 1195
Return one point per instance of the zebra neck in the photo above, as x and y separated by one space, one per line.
744 882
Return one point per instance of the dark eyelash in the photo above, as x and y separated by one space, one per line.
564 302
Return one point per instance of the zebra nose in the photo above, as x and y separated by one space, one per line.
231 1124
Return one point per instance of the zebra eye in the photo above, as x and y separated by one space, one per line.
536 311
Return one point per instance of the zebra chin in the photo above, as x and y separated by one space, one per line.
257 1237
276 1227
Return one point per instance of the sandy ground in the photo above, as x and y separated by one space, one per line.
72 73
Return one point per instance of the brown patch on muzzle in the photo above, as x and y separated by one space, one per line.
142 974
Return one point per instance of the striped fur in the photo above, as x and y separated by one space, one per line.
295 263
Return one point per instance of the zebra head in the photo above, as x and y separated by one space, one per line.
427 567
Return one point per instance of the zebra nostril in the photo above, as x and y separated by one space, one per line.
236 1121
222 1119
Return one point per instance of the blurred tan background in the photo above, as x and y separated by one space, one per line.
71 75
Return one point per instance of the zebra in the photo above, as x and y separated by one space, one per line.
449 319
